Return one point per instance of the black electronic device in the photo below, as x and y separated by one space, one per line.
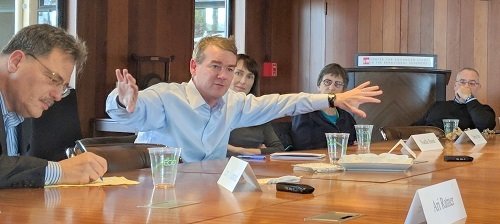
294 188
458 158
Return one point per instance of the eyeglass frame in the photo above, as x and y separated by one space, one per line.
471 83
337 84
56 79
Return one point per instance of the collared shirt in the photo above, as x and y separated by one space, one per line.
470 98
11 121
176 115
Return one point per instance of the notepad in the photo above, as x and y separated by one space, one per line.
297 156
107 181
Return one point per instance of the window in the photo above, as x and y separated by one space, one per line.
7 17
210 18
51 12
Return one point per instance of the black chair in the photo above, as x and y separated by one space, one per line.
404 132
56 130
59 129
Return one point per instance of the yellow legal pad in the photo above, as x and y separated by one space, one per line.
106 181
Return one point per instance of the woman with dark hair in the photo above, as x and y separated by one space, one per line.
259 139
308 130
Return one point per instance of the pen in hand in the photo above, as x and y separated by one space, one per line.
82 148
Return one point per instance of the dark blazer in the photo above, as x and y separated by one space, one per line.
19 171
308 130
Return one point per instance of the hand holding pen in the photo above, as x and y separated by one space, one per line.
82 169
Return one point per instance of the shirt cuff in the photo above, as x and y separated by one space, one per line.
119 103
53 173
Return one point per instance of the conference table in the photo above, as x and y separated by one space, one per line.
379 197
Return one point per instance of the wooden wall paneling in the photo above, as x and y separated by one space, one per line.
397 23
414 16
339 45
480 59
440 23
280 47
453 44
404 26
376 26
257 30
493 56
116 51
390 40
91 27
364 18
427 27
466 33
175 38
304 45
295 48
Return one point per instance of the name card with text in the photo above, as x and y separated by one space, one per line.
439 203
237 173
471 135
424 142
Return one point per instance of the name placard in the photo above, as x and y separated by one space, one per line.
424 142
404 149
439 203
237 173
471 135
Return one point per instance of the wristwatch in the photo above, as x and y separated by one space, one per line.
331 99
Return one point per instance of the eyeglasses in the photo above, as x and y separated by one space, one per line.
328 82
55 78
471 83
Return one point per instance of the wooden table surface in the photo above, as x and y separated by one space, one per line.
381 197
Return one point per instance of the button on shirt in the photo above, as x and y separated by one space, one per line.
11 121
176 115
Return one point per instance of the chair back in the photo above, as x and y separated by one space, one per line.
404 132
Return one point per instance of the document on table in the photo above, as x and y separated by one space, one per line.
297 156
106 181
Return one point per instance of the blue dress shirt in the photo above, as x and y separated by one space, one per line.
176 115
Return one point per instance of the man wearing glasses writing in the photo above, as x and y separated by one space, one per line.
35 68
465 107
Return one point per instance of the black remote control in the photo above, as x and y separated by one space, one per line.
458 158
294 188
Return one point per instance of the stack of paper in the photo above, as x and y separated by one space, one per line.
296 156
318 167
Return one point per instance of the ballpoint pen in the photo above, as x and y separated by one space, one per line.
82 148
252 157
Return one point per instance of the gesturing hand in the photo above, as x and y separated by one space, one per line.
350 100
127 89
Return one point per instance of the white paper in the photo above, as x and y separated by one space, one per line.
471 135
234 171
297 156
424 142
439 203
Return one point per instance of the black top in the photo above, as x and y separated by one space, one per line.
308 130
471 115
253 137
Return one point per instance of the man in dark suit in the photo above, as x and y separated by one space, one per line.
35 68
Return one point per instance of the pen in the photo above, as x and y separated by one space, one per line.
252 156
82 148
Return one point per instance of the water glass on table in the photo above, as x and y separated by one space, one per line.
449 126
164 162
364 137
337 146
